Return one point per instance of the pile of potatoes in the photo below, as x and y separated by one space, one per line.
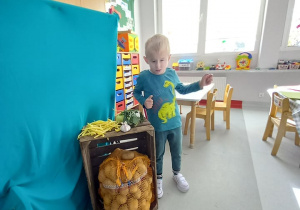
126 181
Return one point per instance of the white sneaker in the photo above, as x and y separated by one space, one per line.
182 184
159 188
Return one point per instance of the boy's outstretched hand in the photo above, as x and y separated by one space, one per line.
206 80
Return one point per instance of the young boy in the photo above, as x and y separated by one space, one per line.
158 85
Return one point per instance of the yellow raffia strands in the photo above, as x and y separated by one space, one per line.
99 128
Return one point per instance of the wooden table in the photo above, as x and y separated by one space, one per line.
192 100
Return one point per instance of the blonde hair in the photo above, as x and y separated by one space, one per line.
157 43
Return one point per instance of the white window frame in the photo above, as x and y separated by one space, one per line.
202 30
287 28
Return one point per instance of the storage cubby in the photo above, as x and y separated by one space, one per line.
128 70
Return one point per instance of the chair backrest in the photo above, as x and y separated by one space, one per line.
215 90
211 100
228 95
281 103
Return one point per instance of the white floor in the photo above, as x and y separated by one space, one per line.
235 169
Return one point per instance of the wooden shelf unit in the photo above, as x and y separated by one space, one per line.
128 70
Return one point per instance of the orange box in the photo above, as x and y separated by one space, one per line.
128 42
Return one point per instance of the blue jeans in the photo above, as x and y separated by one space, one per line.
175 142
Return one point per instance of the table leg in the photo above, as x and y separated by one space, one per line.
192 128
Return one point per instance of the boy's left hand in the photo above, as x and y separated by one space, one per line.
206 80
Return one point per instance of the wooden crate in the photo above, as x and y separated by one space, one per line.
95 150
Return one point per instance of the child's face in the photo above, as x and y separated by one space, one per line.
158 62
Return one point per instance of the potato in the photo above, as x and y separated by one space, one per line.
142 169
127 155
143 204
124 191
108 182
136 176
144 194
137 194
107 199
144 185
101 176
115 205
102 189
107 207
149 195
113 191
110 171
133 188
121 199
138 161
149 179
124 207
133 204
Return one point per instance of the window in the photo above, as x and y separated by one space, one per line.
231 25
291 38
211 26
294 35
180 23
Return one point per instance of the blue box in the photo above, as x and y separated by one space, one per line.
134 79
119 59
126 61
119 95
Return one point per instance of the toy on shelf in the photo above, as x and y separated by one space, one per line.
283 65
213 67
243 61
227 67
185 64
128 41
200 65
219 66
223 66
175 66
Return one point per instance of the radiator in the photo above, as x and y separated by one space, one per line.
220 84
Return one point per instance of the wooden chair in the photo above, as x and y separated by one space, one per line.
225 105
207 113
283 121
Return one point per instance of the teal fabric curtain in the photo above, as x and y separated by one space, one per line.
57 73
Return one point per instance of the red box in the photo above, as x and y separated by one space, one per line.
135 58
120 106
